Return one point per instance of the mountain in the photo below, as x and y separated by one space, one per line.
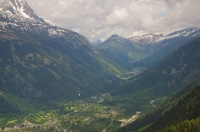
146 39
18 20
44 64
177 70
148 49
179 112
166 44
122 48
146 42
98 42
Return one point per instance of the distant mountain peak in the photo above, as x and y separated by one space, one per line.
118 39
146 39
114 36
187 32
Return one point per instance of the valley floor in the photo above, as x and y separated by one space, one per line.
85 115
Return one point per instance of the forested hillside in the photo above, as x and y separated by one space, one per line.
180 112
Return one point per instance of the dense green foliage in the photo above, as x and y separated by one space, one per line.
83 115
184 126
184 105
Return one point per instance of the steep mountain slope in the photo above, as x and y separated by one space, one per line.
166 44
44 63
122 48
177 110
178 69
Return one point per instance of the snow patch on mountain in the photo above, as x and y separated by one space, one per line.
146 39
16 15
54 32
18 9
21 10
188 32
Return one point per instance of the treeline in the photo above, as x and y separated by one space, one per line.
187 107
184 105
184 126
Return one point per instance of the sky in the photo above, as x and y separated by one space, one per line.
99 19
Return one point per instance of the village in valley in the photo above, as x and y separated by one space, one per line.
74 116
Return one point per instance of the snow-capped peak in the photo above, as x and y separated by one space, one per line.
18 10
16 16
188 32
146 39
18 7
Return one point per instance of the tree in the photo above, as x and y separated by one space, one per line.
185 130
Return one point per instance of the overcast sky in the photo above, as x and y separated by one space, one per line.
99 19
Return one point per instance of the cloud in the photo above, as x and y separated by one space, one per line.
99 19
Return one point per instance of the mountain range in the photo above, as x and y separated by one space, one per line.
167 44
147 50
56 71
146 39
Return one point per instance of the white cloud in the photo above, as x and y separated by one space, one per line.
99 19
